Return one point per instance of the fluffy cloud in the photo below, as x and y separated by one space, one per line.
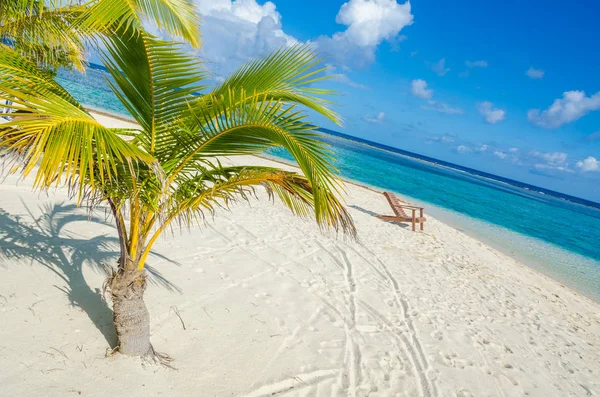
372 21
492 115
552 161
513 149
553 167
439 67
483 148
377 119
476 64
572 106
369 23
247 10
236 31
555 158
463 149
533 73
419 89
589 164
500 154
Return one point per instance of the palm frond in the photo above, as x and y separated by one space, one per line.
217 185
234 125
52 131
154 79
177 17
44 33
288 75
228 127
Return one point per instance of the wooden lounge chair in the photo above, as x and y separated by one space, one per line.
401 216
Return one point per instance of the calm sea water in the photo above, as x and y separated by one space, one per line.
552 233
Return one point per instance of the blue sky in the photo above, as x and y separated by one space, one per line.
510 88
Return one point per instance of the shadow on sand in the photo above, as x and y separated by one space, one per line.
45 241
365 211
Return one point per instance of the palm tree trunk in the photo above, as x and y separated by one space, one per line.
131 318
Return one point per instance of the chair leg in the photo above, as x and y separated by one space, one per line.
413 220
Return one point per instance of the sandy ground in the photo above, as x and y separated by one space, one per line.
258 303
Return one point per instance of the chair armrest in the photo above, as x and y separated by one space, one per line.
411 207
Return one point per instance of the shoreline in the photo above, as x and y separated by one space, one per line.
496 247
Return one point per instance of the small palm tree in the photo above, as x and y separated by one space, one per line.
168 170
57 33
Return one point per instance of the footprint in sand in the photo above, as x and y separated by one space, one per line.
437 335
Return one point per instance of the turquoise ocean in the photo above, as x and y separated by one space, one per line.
553 233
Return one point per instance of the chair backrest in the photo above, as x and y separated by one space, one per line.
395 204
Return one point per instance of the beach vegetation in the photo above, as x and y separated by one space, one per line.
172 170
61 33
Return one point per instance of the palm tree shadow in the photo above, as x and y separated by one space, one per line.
45 240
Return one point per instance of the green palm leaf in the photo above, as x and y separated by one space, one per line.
44 32
52 132
289 75
216 185
177 17
154 80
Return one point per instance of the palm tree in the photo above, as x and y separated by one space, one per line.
168 171
58 33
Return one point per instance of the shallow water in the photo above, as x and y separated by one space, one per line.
551 234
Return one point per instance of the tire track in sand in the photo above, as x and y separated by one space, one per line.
413 345
352 356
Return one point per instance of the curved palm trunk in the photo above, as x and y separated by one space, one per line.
131 318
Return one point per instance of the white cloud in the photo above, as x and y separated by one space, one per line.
589 164
377 119
419 89
247 10
439 67
513 149
372 21
483 148
572 106
463 149
553 167
500 154
533 73
369 23
552 161
556 158
492 115
476 64
237 31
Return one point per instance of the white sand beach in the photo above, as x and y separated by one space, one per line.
257 302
